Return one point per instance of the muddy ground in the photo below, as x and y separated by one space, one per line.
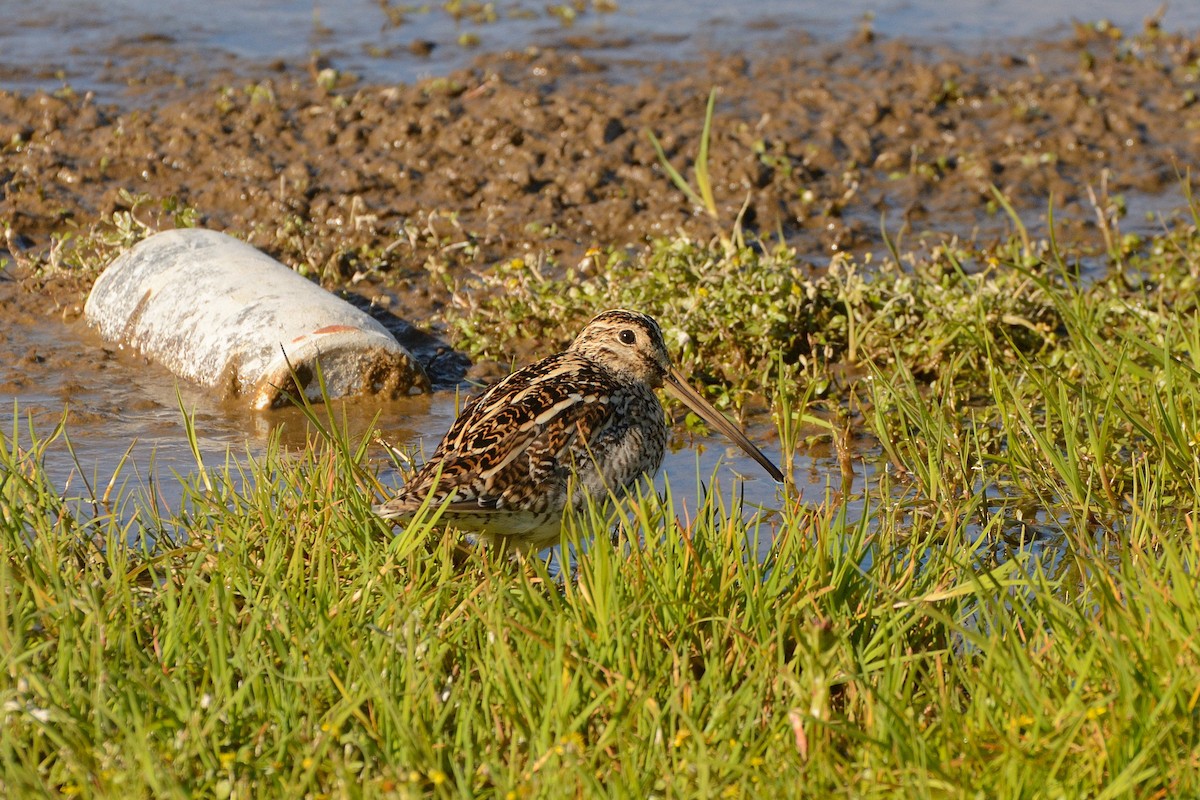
545 154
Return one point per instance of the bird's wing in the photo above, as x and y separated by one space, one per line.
513 446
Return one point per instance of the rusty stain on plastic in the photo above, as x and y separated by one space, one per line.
218 312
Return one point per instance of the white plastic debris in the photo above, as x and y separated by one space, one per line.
218 312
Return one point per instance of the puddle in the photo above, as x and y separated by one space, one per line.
122 405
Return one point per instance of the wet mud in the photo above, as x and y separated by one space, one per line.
541 152
394 193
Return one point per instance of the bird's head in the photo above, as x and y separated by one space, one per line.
628 344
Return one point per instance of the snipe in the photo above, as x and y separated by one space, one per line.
582 423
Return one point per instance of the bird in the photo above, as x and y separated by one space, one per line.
581 424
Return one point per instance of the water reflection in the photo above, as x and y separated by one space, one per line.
124 421
125 429
120 46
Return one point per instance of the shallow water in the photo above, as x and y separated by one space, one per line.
124 404
120 45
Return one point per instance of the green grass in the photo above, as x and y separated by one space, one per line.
1008 609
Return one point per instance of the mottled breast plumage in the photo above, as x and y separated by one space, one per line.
517 444
586 418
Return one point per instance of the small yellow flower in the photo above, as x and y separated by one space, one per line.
226 759
306 763
681 736
437 777
1023 721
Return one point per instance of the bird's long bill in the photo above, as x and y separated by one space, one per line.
677 385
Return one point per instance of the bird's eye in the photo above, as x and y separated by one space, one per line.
627 336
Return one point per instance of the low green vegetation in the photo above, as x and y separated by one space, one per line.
1009 608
